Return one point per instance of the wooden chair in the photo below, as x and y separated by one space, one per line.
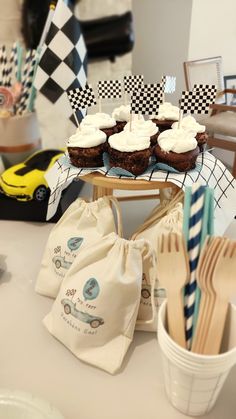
221 121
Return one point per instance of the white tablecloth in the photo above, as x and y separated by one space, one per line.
33 361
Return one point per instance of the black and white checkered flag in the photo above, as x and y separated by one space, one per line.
63 62
133 82
195 101
208 89
147 99
169 84
81 98
108 89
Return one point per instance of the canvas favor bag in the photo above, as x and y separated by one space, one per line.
96 308
163 219
81 225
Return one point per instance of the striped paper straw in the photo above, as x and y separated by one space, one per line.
11 63
193 245
32 96
206 230
3 63
26 81
29 82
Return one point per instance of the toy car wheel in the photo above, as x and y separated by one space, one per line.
67 309
145 293
94 324
58 264
41 193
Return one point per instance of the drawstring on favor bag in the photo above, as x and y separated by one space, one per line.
115 203
148 254
158 213
119 226
174 216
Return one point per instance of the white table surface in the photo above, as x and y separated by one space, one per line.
33 361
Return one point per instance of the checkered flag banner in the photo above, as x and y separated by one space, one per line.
63 61
133 82
81 98
147 99
169 84
195 101
208 89
108 89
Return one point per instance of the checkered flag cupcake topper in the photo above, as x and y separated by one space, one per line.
196 101
108 89
81 98
147 99
169 84
208 89
133 82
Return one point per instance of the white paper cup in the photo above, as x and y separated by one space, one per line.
192 381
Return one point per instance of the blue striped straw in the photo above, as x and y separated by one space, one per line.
193 245
207 230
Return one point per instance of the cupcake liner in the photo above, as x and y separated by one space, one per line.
118 171
166 168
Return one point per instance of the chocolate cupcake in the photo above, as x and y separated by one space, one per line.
122 116
129 151
189 123
167 115
86 147
177 148
102 121
144 128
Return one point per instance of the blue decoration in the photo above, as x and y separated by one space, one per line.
74 243
91 289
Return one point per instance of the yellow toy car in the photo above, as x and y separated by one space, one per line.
25 181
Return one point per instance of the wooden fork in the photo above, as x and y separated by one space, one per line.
201 284
208 294
173 274
224 284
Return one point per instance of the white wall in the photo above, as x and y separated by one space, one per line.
162 30
213 32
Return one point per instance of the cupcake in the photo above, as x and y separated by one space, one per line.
178 148
190 123
167 115
102 121
130 151
122 116
144 128
86 147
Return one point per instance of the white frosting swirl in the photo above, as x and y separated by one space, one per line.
87 137
99 120
145 128
129 141
122 113
177 140
167 111
189 123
